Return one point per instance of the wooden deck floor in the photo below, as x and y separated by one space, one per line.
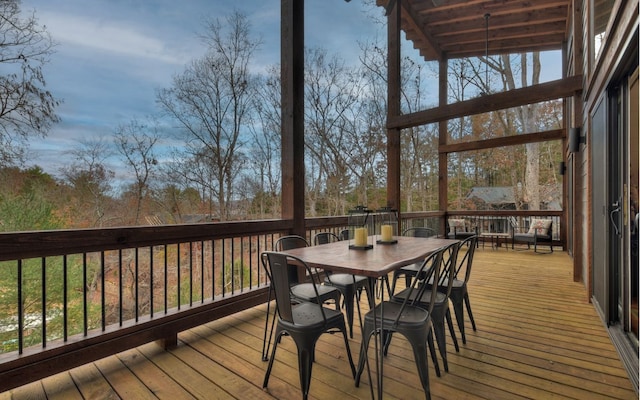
537 338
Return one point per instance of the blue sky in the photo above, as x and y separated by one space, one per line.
112 55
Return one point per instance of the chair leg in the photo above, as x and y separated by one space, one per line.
468 304
363 353
438 328
305 364
271 359
346 345
265 343
392 290
336 299
459 312
451 331
420 355
349 294
535 249
432 350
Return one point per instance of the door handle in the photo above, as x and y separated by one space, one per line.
615 210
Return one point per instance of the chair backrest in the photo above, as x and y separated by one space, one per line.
278 266
427 278
449 266
324 238
287 243
465 263
419 232
541 227
344 234
290 242
457 226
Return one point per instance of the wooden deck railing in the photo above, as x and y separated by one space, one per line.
76 296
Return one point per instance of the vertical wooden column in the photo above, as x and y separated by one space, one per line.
579 208
393 107
292 81
443 133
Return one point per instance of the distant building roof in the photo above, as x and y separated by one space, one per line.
493 195
500 195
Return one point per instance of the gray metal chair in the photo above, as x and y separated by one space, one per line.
409 319
304 322
459 229
459 293
349 285
438 306
540 232
302 291
410 271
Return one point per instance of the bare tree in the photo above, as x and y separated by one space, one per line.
135 142
91 180
526 117
264 177
211 101
419 155
26 107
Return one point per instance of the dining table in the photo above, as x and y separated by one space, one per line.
375 263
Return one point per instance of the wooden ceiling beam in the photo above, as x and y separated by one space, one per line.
452 5
557 89
430 46
503 141
532 32
470 16
518 49
498 24
519 45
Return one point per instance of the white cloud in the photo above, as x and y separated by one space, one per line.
98 34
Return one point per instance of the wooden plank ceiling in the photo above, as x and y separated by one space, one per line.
446 29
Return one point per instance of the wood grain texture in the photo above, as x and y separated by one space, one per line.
538 337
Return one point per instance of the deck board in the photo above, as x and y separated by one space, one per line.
538 337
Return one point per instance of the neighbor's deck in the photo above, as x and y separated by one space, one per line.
537 338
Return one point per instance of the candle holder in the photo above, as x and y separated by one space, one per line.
360 224
386 226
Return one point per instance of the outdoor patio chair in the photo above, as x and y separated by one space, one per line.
540 232
410 271
349 285
304 322
459 294
408 319
302 291
459 229
439 306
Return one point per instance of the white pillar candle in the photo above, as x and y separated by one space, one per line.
386 231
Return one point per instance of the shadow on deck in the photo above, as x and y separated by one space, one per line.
538 338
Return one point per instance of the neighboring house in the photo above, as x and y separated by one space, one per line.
504 198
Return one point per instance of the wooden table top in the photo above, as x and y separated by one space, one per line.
377 262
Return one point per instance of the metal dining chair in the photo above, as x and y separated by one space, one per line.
409 319
439 305
304 322
349 285
301 291
409 271
459 292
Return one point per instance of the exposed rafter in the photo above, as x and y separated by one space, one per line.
455 28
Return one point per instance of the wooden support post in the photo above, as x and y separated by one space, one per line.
168 343
443 133
393 108
292 81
